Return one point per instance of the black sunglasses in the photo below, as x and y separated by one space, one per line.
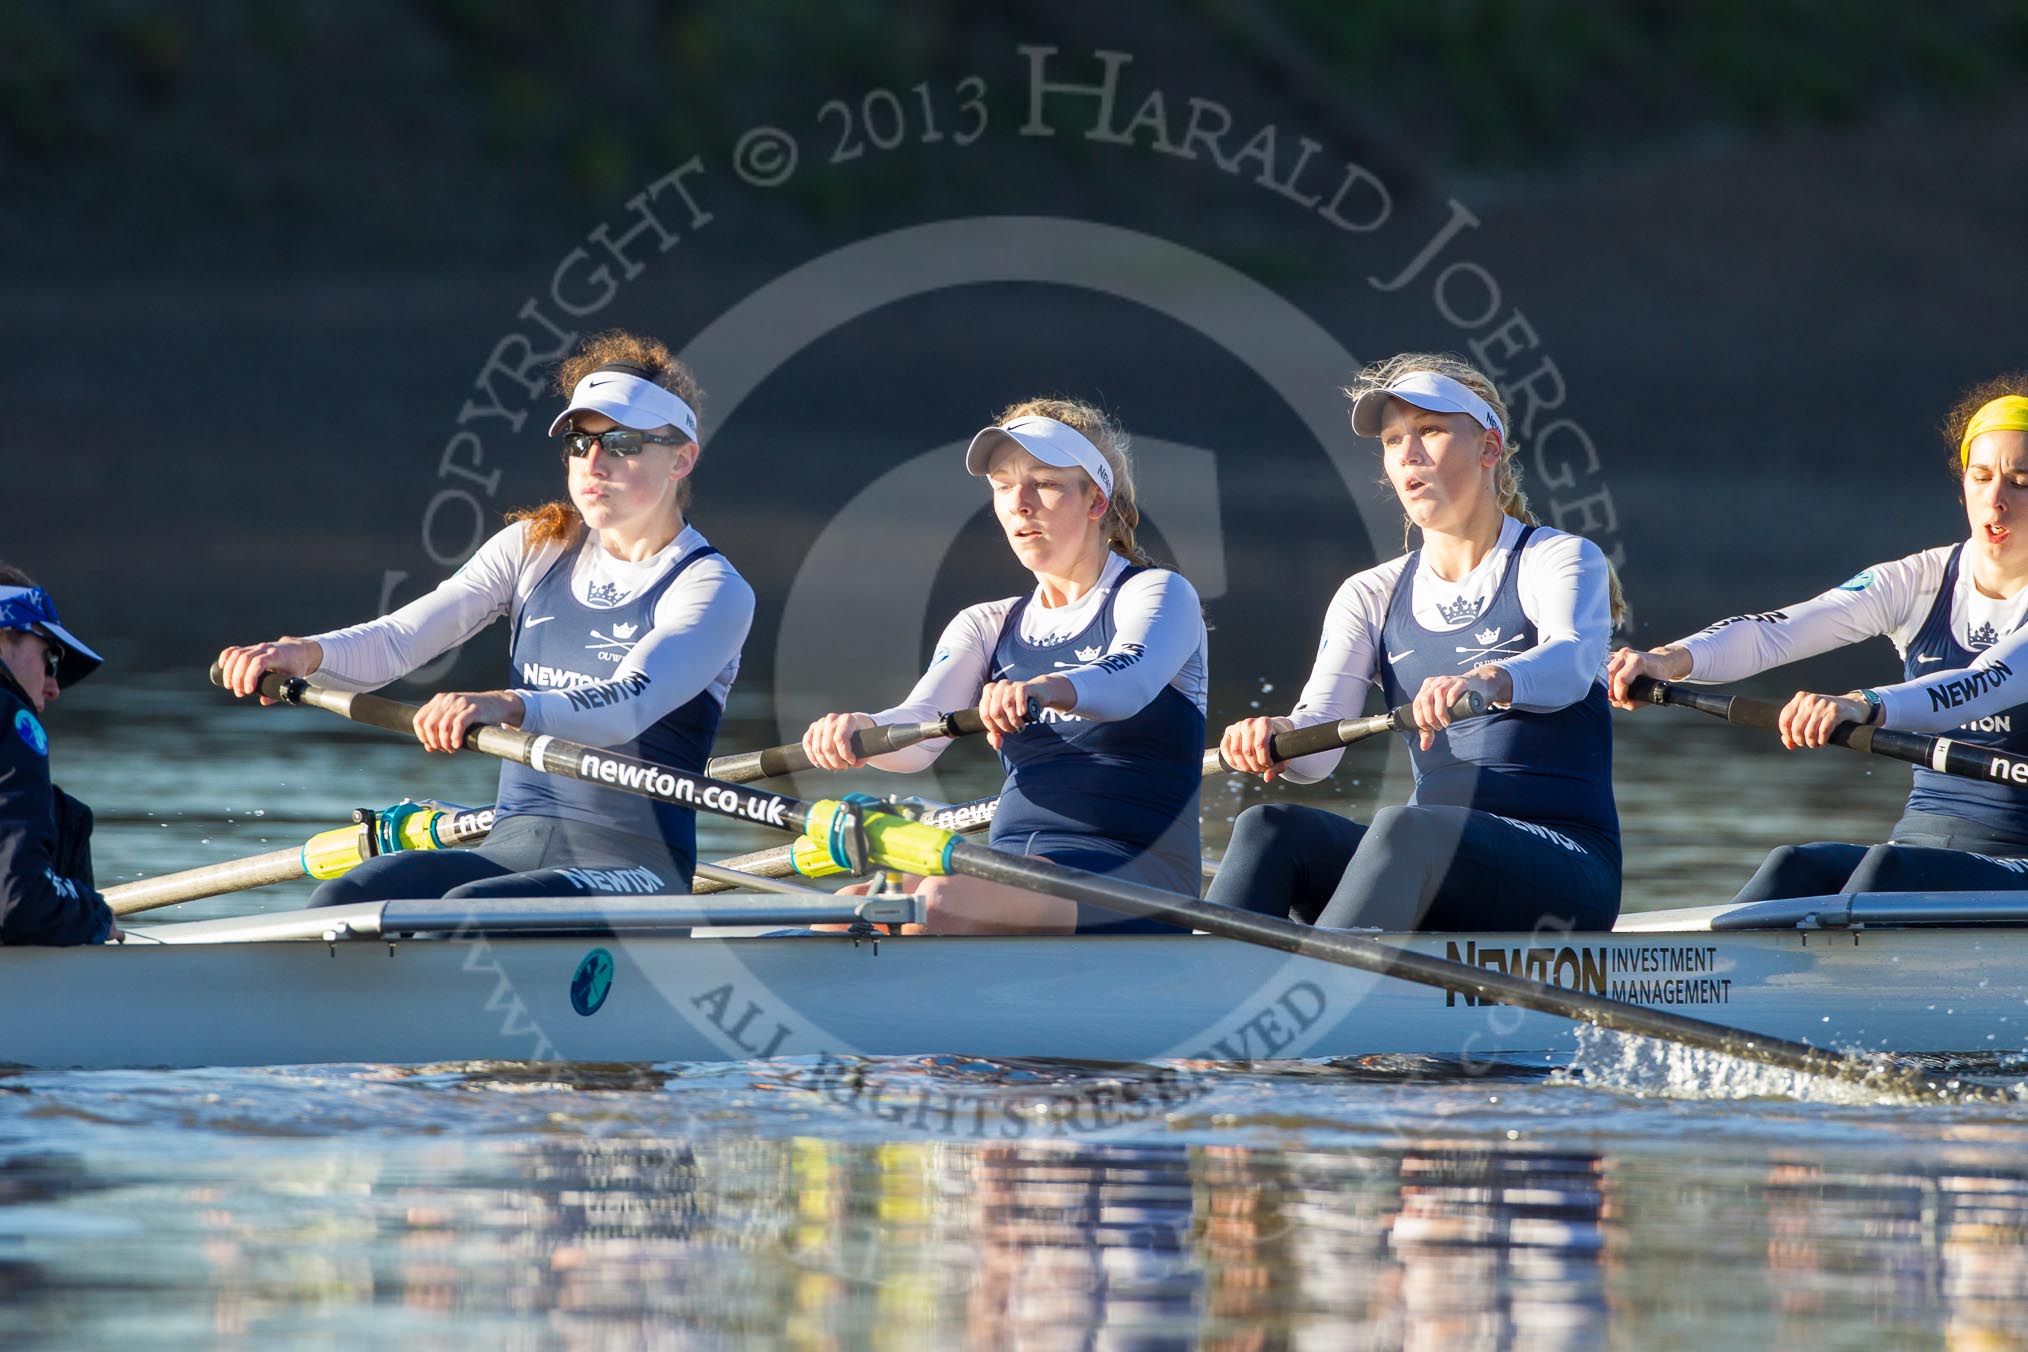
620 441
52 656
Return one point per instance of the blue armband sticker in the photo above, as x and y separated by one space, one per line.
1857 582
31 732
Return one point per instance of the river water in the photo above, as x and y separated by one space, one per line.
1624 1203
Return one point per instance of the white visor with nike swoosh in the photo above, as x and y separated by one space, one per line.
1424 389
629 401
1051 442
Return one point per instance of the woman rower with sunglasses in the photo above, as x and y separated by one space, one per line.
626 631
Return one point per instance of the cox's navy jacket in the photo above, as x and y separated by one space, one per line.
46 891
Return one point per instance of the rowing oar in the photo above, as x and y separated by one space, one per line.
878 740
1286 746
809 860
1942 754
863 832
406 826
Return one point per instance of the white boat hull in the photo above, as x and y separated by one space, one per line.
671 998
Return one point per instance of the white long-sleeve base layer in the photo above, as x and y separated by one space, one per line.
1889 600
1565 588
1158 640
700 623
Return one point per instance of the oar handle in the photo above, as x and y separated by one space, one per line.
747 766
1287 746
1945 755
391 715
1746 712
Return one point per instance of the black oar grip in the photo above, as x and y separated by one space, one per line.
1731 708
965 723
968 723
1287 746
273 685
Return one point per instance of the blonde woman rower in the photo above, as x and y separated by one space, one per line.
1111 646
1512 824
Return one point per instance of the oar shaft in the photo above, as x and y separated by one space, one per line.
1356 950
324 855
260 870
1945 755
557 756
1287 746
746 766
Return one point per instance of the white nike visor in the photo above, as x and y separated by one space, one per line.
1051 442
1424 389
629 401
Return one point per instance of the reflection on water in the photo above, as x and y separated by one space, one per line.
690 1220
1382 1202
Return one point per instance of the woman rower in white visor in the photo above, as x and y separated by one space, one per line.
1512 823
626 631
1113 650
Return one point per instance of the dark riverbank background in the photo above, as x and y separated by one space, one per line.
257 260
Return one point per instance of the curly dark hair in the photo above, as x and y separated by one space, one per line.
651 354
1969 403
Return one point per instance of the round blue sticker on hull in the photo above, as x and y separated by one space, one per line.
593 982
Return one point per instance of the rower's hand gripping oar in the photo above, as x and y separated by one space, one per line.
1942 754
863 833
1287 746
747 766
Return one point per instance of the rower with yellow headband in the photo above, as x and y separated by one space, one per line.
1955 613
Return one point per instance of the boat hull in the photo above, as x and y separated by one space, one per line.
1128 998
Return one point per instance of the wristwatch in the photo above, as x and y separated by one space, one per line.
1875 710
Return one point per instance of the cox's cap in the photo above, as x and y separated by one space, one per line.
1424 389
630 401
30 608
1051 442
